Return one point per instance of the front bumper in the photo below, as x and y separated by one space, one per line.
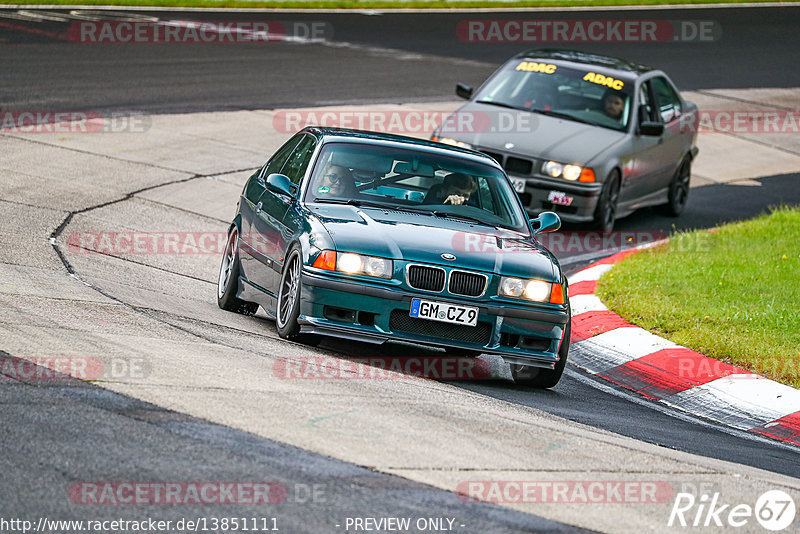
581 209
361 312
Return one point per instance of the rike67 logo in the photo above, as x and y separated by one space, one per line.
774 510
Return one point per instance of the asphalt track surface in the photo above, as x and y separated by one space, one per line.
55 434
389 57
60 432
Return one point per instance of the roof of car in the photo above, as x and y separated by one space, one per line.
575 56
385 137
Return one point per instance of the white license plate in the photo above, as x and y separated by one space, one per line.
558 198
519 184
444 312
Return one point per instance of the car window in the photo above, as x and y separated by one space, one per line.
275 164
295 166
669 104
647 108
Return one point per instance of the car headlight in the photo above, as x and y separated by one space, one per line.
571 172
350 263
451 141
568 172
553 168
535 290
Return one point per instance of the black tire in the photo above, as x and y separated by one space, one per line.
544 378
606 212
288 308
228 283
679 189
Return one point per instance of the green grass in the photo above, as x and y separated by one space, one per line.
377 4
732 294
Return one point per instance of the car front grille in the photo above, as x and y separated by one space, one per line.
512 164
401 321
426 278
467 284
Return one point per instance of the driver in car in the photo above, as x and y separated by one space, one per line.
456 190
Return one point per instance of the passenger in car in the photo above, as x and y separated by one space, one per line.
336 181
456 190
613 104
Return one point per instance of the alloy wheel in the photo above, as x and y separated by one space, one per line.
288 291
228 259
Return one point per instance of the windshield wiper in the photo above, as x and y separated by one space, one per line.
474 219
560 115
350 202
502 105
369 204
448 215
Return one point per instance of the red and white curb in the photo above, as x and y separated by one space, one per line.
606 345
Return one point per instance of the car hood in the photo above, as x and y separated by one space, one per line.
533 134
423 238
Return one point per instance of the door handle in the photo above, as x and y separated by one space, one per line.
258 207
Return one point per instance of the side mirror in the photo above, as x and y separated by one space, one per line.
464 91
651 128
280 183
546 222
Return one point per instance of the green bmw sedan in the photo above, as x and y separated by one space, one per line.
374 237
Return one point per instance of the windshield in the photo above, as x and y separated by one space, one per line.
588 95
432 184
